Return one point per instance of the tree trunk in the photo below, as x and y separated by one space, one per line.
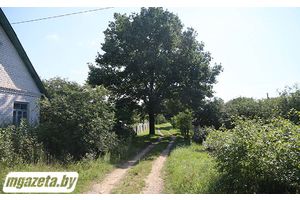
151 123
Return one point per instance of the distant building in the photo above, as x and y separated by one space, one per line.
20 85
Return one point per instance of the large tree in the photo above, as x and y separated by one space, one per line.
148 58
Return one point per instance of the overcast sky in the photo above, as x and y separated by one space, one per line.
259 48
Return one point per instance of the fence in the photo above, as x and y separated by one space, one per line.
141 127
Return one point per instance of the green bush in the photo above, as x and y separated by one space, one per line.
286 105
258 158
173 121
20 145
242 106
160 119
183 121
211 113
76 120
289 103
7 154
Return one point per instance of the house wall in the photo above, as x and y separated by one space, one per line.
16 83
7 100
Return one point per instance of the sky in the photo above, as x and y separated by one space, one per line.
259 48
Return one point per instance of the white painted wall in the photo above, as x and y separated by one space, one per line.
16 83
6 107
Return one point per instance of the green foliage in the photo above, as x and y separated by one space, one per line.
76 120
286 105
20 145
6 145
123 131
160 119
256 157
125 110
172 107
89 170
211 113
191 170
149 58
289 103
183 121
134 181
294 116
242 106
173 121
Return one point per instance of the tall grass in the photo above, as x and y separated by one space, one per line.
88 170
190 170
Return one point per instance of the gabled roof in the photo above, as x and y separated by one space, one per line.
17 44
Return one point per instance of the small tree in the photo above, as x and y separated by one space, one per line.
76 120
184 122
211 113
160 119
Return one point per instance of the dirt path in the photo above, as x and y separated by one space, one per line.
154 182
112 179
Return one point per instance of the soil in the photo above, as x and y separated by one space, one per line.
113 178
154 181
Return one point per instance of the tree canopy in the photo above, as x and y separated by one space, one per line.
76 120
148 58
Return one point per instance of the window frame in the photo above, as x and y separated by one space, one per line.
17 117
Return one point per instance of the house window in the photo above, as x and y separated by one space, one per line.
20 112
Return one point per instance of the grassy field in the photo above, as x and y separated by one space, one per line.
189 169
167 129
88 171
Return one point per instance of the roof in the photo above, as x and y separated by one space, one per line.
17 44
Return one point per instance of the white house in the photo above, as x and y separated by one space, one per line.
20 85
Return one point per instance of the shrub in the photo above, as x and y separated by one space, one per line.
7 153
183 121
211 113
26 144
76 120
289 103
242 106
286 105
20 145
160 119
258 158
173 121
294 116
123 131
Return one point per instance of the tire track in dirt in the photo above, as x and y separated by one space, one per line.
154 181
113 178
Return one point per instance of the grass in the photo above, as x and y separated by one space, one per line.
95 170
167 129
88 171
190 170
134 181
134 146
